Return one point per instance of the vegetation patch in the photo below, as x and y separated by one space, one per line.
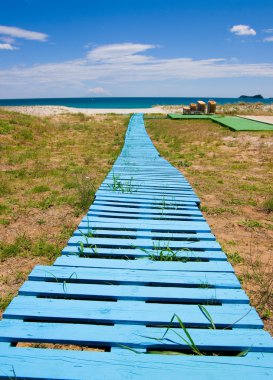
232 175
50 168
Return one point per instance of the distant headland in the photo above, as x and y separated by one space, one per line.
259 96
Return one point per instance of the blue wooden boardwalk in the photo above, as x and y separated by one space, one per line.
110 291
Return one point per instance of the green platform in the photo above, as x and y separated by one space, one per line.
181 116
233 122
240 124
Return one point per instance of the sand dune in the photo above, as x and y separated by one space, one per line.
57 110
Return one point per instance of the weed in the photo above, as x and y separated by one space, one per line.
185 339
5 127
69 278
122 186
184 164
4 209
250 224
258 279
24 246
217 210
188 340
40 189
235 258
43 248
4 222
5 300
4 187
164 253
86 191
266 313
24 135
81 247
163 204
268 205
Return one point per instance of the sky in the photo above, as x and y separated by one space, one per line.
88 48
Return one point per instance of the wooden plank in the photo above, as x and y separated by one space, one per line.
132 276
162 212
146 264
157 245
142 234
146 194
135 336
34 363
141 225
139 196
135 216
132 292
119 198
151 206
130 312
114 253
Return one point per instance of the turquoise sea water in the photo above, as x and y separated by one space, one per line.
108 102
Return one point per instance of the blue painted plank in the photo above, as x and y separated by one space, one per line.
152 206
146 264
134 216
120 198
162 212
227 315
131 276
157 245
85 230
158 225
132 292
138 253
135 336
139 196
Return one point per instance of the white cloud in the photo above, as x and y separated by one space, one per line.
13 31
7 47
98 91
119 52
105 67
243 30
270 30
268 39
8 40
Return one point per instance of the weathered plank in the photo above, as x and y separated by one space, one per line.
133 276
133 292
70 365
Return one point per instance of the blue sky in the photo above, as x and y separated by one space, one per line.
70 48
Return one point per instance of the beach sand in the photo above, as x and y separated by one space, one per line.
263 119
256 111
57 110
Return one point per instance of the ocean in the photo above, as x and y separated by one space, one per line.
107 102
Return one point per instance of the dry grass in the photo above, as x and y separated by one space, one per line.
232 174
239 108
49 171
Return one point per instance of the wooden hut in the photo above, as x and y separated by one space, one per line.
186 110
201 106
211 106
193 107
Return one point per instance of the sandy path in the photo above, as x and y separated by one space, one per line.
57 110
263 119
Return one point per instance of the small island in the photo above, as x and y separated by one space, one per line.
259 96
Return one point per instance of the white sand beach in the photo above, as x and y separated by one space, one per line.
263 119
255 111
58 110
